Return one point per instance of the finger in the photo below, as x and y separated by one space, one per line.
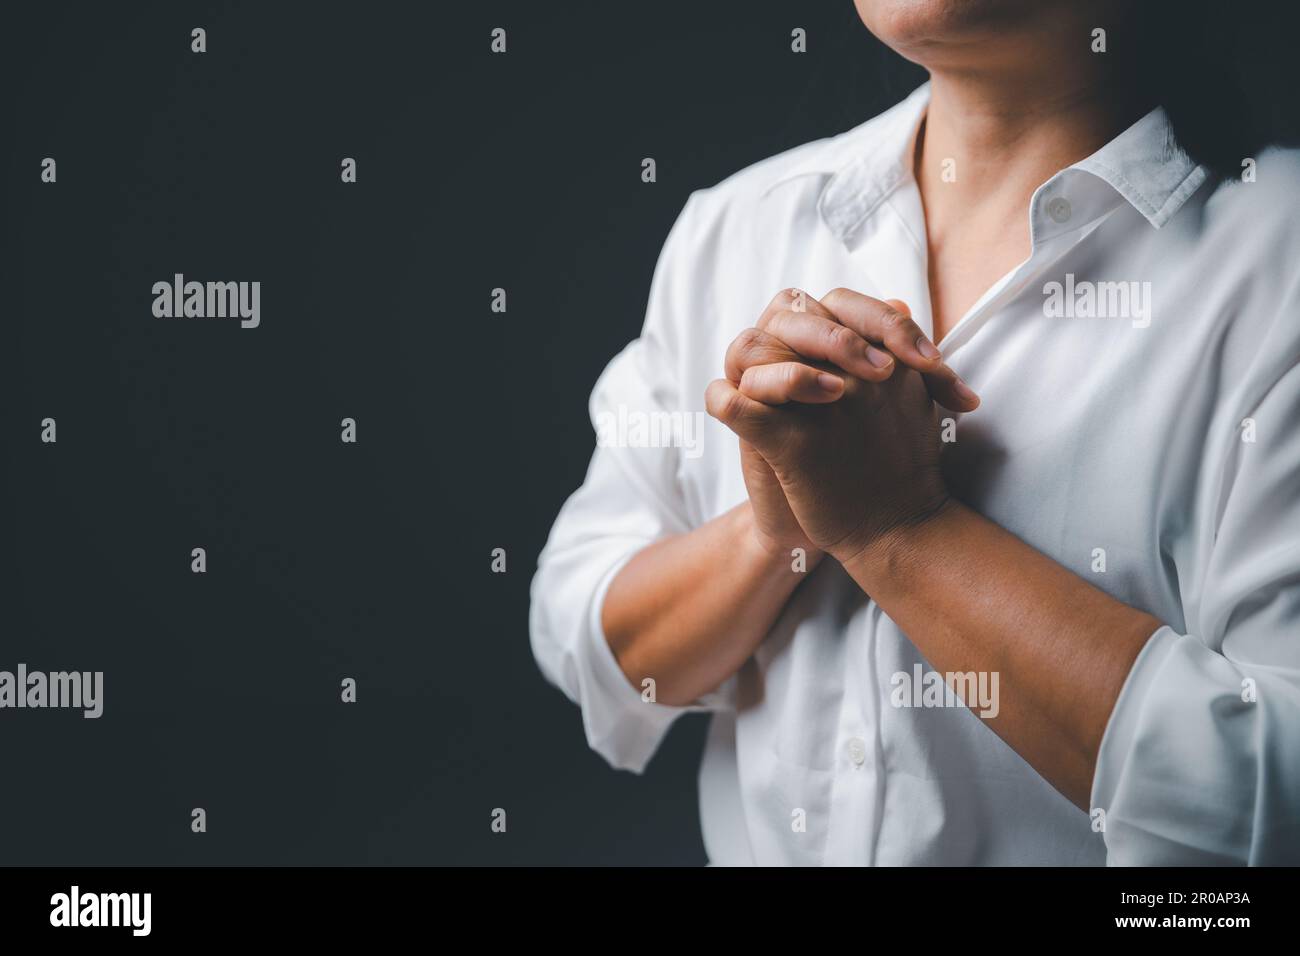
794 300
755 347
945 386
890 323
744 416
947 389
790 382
884 324
824 339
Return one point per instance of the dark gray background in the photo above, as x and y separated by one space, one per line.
328 560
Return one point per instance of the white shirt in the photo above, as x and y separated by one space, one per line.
1154 452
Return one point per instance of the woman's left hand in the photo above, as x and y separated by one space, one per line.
853 470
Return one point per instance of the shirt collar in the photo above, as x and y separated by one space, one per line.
1143 165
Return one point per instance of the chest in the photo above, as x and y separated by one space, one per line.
1072 449
965 265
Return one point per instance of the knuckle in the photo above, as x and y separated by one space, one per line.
784 327
780 319
895 321
746 349
746 342
836 296
734 406
840 338
779 302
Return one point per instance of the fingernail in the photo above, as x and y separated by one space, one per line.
964 391
925 348
828 383
878 358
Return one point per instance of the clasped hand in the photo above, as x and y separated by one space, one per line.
835 404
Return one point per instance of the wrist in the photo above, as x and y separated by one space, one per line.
768 551
901 547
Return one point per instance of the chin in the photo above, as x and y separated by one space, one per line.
912 27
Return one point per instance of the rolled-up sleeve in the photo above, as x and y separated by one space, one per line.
1200 762
631 497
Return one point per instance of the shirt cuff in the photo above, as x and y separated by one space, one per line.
1121 730
621 725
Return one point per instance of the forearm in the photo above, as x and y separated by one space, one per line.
688 611
973 597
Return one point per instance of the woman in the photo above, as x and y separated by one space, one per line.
1035 451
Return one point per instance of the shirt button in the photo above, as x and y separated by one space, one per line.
857 751
1059 209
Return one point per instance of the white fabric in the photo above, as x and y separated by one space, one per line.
1106 433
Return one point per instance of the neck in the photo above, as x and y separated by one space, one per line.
1008 133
